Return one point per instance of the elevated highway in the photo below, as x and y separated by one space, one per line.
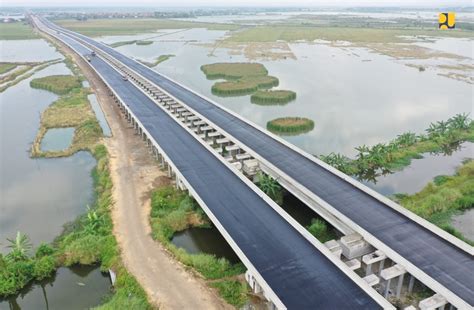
284 261
440 261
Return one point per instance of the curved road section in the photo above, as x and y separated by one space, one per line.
438 258
299 274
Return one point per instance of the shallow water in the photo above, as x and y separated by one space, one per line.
352 101
99 114
37 196
414 178
78 287
465 223
57 139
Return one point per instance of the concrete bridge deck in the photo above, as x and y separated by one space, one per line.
297 268
443 263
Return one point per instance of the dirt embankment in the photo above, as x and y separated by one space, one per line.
134 173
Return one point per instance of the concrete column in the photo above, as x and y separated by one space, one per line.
411 283
382 263
387 288
169 171
400 283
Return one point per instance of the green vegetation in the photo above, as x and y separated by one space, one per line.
446 196
19 267
370 162
7 66
109 27
122 43
71 109
292 33
144 42
88 240
270 186
58 84
243 86
320 230
290 125
23 72
158 60
233 71
16 31
233 291
242 78
173 211
137 42
271 97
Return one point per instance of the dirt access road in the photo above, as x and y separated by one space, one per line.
134 174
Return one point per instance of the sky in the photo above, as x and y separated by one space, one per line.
228 3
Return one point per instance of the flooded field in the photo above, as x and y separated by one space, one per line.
38 196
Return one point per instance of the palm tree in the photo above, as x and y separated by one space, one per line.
20 246
459 121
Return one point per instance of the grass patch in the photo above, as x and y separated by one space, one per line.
70 110
371 162
144 42
233 291
129 26
7 66
241 78
233 71
272 97
16 31
173 211
25 71
290 125
292 33
439 201
122 43
157 61
58 84
320 230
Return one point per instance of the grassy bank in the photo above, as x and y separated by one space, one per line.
110 27
23 72
383 158
173 211
272 97
72 109
157 61
16 31
444 197
290 125
58 84
7 66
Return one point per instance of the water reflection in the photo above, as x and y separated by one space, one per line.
78 287
57 139
421 171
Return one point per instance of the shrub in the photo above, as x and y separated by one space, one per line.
234 292
44 250
44 267
319 229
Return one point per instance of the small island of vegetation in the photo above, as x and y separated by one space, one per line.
244 79
157 61
271 97
290 125
58 84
